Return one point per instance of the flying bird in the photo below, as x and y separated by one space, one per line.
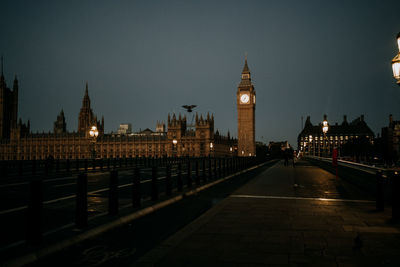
189 108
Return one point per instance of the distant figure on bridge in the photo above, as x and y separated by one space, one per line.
289 154
286 156
294 157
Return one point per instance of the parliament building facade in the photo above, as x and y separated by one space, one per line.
17 142
312 141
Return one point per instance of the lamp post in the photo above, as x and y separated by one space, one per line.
94 133
310 139
325 128
174 142
211 148
396 62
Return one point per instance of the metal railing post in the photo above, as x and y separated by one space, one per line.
189 174
197 172
168 185
136 193
35 212
154 183
81 201
179 181
379 191
395 196
113 193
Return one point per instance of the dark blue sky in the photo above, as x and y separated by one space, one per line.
143 59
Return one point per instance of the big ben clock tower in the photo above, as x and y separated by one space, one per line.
246 107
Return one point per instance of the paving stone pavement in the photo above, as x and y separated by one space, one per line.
270 221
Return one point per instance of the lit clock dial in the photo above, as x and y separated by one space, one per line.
244 98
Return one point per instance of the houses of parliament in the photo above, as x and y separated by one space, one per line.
17 142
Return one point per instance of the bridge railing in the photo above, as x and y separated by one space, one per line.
382 183
357 166
169 177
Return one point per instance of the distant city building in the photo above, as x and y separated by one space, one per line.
160 127
278 145
125 128
276 149
312 141
391 140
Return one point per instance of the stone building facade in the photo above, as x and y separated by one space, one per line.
312 141
179 140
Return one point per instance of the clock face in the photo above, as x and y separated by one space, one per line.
244 98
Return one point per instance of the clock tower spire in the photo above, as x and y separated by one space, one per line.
246 106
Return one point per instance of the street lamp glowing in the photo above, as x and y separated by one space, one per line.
396 62
174 141
93 131
211 145
325 126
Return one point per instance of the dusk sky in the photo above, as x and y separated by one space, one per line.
145 59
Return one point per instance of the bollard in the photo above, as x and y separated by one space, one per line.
20 168
154 184
46 168
113 194
189 175
136 194
81 216
94 165
67 166
209 169
204 170
179 182
101 164
396 196
57 166
219 168
224 167
215 169
86 164
168 185
5 169
380 206
197 173
34 167
108 163
77 164
35 213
